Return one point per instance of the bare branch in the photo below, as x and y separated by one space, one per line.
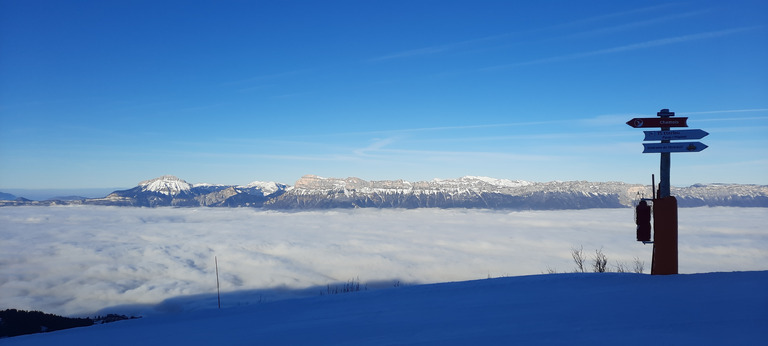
579 258
639 266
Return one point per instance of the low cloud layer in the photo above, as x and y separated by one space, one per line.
81 259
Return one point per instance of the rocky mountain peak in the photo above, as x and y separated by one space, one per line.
307 181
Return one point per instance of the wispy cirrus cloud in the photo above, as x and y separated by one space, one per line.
264 77
446 128
610 16
730 115
636 24
726 111
465 44
437 48
626 48
404 155
376 145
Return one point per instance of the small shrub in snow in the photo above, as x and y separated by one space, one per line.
348 287
600 262
579 258
639 266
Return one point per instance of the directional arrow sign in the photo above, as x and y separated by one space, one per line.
675 147
658 122
674 135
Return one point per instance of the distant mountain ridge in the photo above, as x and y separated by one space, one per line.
6 196
314 192
169 190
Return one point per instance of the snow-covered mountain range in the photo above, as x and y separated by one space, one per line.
169 190
313 192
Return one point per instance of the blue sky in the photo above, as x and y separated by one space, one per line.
107 93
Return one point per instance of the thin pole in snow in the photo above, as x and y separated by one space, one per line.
218 292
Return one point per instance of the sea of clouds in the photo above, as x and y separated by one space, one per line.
80 260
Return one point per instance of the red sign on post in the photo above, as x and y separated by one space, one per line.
658 122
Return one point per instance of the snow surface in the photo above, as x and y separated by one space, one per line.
207 185
555 309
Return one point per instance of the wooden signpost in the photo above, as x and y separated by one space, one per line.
664 260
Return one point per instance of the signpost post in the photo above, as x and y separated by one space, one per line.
664 259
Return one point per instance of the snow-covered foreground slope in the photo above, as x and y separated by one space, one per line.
560 309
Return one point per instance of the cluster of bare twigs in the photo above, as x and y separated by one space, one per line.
599 263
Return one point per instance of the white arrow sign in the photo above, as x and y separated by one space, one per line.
674 135
675 147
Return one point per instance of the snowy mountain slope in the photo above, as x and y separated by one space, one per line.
167 185
264 188
169 190
573 309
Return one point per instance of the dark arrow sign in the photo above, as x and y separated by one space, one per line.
659 122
